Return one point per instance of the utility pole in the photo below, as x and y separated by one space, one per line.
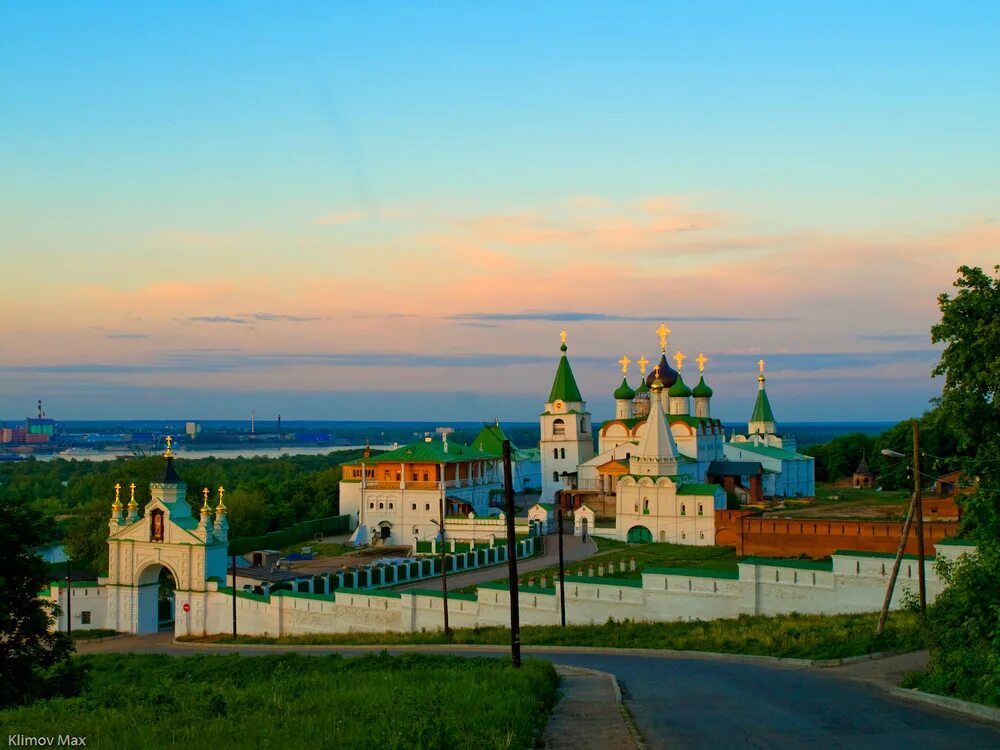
69 583
562 562
895 566
234 596
919 511
515 623
444 561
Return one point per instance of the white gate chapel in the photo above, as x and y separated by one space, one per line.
166 535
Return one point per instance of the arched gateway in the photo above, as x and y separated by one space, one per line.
168 537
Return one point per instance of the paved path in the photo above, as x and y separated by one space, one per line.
589 714
573 550
700 701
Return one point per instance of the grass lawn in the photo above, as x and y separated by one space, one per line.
653 555
296 701
788 636
846 502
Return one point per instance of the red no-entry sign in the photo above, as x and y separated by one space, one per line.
186 607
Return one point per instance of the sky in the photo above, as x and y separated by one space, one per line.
331 211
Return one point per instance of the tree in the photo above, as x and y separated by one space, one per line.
969 403
34 661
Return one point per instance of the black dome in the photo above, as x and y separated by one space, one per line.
668 376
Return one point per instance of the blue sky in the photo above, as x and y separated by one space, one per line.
332 188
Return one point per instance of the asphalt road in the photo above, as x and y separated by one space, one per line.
698 702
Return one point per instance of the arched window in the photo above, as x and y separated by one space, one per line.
562 453
390 506
427 506
555 476
701 511
645 506
413 507
371 506
683 510
381 506
555 453
583 425
558 427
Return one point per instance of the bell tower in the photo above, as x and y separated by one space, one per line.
567 431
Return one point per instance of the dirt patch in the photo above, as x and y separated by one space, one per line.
335 563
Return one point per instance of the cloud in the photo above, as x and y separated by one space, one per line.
216 319
570 316
896 338
284 318
126 336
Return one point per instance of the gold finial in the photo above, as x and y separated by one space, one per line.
760 378
663 332
132 504
169 453
679 359
221 508
642 365
701 360
204 492
562 335
624 362
117 490
117 505
204 507
657 371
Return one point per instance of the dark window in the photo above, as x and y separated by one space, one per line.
555 476
562 453
85 617
555 453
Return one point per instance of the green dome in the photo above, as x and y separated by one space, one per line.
679 389
702 390
643 388
624 392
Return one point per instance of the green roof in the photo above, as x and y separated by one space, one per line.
883 555
624 391
697 488
772 452
642 387
762 408
432 452
671 418
564 387
679 389
490 440
774 562
702 390
694 572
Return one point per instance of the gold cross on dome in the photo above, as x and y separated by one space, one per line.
204 493
663 332
562 335
169 452
117 488
679 359
761 365
624 362
131 488
222 491
657 371
701 360
642 364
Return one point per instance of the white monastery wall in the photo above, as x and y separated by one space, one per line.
768 587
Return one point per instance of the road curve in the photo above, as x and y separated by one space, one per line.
692 701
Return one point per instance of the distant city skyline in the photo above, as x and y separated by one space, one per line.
390 212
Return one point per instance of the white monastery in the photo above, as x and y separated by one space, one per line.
664 469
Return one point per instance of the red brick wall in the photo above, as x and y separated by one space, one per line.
753 535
